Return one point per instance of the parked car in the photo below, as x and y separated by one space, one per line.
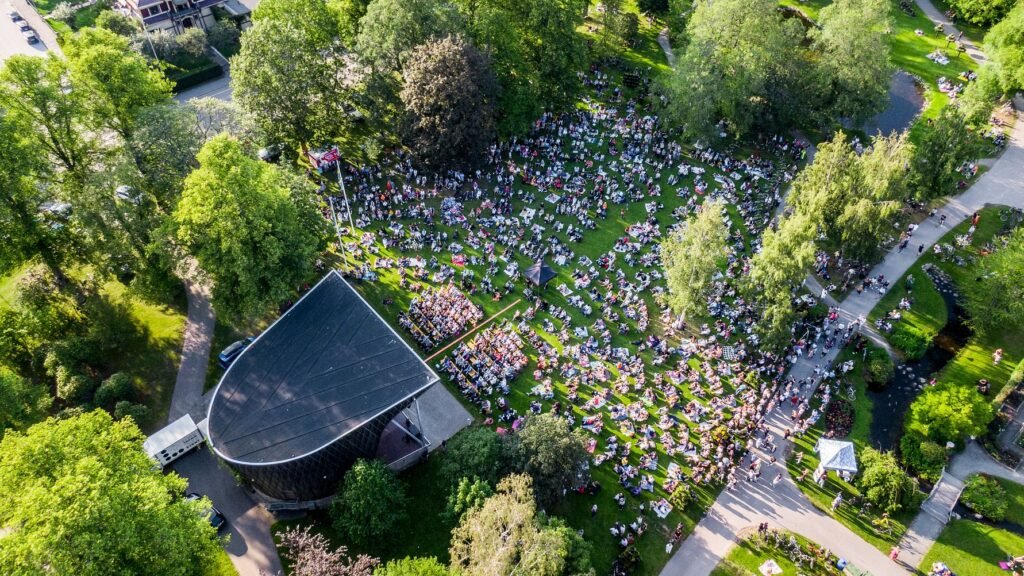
23 25
229 354
30 37
217 520
13 15
271 153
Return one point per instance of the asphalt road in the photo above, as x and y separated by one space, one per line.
11 40
250 544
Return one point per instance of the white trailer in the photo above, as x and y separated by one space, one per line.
173 441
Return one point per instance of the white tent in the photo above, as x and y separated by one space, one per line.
770 568
836 455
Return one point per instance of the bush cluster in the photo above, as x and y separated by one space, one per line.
925 457
985 496
912 342
879 369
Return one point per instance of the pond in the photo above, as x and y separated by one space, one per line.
905 103
892 402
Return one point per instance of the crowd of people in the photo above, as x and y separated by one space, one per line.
665 408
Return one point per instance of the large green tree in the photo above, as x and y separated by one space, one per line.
390 29
292 75
996 300
1004 44
943 147
690 256
554 455
81 497
449 97
252 227
853 59
982 12
22 403
949 412
742 64
370 503
117 81
884 483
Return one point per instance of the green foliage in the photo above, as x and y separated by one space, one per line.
468 494
554 456
252 227
682 496
475 451
348 13
944 145
910 340
996 301
450 97
86 500
22 403
948 412
1017 376
979 98
137 412
985 496
1004 45
370 502
224 35
883 483
924 457
113 390
118 23
391 28
413 567
653 6
879 369
982 12
690 256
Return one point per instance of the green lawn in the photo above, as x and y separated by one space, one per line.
972 32
221 566
1015 497
974 361
750 553
973 549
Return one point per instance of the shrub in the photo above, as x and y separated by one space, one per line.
468 494
909 340
370 503
985 496
113 390
924 457
137 412
879 369
476 451
117 23
1017 376
681 497
413 567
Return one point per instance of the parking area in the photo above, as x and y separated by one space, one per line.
251 547
12 41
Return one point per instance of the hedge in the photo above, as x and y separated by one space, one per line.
909 340
195 76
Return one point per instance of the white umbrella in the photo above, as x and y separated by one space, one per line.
770 568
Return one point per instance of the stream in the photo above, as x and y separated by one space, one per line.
891 403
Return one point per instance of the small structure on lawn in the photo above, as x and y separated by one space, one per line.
836 455
539 273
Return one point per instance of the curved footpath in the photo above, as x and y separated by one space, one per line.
784 506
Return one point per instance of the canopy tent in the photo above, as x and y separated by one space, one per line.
539 273
836 455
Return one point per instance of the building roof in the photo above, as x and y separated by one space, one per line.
326 367
168 435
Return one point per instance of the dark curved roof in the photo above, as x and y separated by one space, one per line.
327 366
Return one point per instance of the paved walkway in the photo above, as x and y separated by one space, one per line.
784 506
195 351
936 15
666 47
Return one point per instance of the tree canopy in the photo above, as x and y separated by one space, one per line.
390 29
982 12
943 147
690 256
81 497
1004 44
949 412
370 502
996 300
252 227
554 455
884 483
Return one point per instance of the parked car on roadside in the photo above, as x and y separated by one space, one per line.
232 352
30 37
13 15
217 520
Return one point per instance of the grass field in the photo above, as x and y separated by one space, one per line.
750 553
973 549
1015 498
221 566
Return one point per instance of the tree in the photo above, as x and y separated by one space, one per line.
370 502
64 13
292 76
948 412
502 535
742 65
164 144
22 403
81 497
996 300
884 483
310 555
117 81
554 455
853 58
391 28
982 12
348 13
979 98
223 34
252 227
943 147
468 494
116 388
1004 44
118 23
413 567
475 451
449 96
690 256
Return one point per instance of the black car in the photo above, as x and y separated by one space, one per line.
229 354
13 15
30 37
217 520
